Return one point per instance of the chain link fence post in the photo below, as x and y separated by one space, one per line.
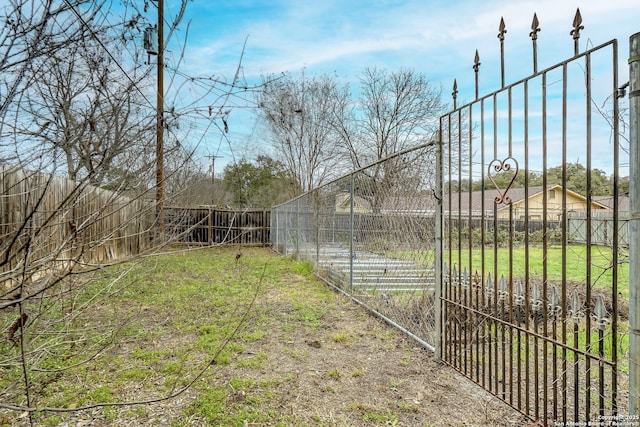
297 242
438 250
634 224
352 251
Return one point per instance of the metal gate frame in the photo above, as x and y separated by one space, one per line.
546 346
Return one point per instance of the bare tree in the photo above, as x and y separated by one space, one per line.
299 116
397 111
88 110
71 106
33 30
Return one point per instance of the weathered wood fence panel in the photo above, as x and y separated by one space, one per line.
602 225
211 225
54 221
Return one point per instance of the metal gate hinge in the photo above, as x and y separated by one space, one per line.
622 90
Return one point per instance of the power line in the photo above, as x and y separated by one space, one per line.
97 39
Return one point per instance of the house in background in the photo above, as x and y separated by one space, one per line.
524 202
481 208
476 204
343 204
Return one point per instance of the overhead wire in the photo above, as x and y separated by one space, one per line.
107 51
206 110
124 18
184 111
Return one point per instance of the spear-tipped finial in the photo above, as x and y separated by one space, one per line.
519 296
503 293
577 26
454 94
554 303
576 308
476 281
600 315
502 30
489 287
476 68
535 27
536 298
465 279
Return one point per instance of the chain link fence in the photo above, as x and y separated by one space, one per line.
371 235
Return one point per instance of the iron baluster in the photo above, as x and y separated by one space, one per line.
577 315
602 320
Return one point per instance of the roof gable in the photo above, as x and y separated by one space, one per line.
485 200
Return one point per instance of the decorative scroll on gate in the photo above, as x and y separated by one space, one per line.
503 166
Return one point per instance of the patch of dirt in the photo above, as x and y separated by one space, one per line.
350 370
374 369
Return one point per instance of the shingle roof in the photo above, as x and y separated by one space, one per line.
461 201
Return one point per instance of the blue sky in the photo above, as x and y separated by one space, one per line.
434 37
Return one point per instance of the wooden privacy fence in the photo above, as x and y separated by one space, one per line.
211 225
601 232
49 221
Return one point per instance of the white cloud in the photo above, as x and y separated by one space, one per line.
436 37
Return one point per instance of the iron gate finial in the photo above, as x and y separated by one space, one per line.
600 315
502 31
535 29
536 298
554 307
476 69
503 293
576 308
489 288
454 94
577 26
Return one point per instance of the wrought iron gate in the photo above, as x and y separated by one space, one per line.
524 313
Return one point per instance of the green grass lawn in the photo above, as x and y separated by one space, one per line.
575 265
211 319
144 330
255 338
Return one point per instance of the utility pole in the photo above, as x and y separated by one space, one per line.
160 122
213 177
213 167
